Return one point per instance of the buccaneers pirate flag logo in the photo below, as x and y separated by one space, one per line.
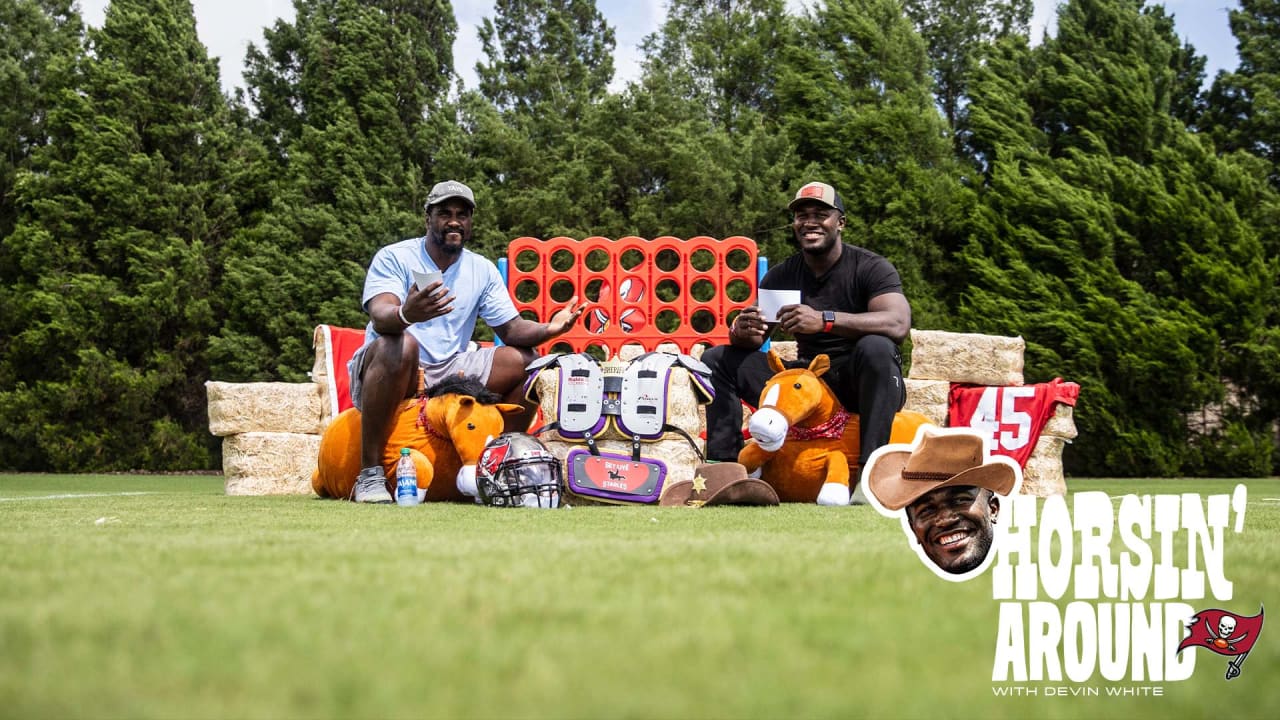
1224 633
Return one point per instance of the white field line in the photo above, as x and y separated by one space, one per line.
72 496
1118 498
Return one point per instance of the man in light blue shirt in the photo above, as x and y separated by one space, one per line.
431 327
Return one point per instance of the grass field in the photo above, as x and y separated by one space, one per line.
159 597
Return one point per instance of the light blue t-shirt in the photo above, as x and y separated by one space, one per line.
473 280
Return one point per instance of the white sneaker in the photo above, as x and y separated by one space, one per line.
371 487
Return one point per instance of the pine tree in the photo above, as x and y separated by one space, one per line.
123 224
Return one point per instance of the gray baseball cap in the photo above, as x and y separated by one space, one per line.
818 192
450 189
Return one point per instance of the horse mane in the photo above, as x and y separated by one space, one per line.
465 385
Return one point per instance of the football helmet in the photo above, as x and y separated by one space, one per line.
517 470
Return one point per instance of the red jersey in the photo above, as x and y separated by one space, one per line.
1012 416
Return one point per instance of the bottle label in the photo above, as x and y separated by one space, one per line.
406 486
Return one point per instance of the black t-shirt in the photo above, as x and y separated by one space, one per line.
848 286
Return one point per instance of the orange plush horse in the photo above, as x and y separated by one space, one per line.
445 429
803 440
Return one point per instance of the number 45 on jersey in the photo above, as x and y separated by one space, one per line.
1011 415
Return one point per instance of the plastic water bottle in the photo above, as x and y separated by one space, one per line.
406 480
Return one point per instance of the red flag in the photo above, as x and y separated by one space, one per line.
1223 632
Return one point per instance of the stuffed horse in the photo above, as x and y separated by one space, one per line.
804 442
446 429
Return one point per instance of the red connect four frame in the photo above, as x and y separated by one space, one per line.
639 292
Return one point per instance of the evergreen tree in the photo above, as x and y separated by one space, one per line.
1114 240
721 54
956 32
1187 99
1243 117
1244 106
351 95
549 63
856 100
123 224
545 55
38 48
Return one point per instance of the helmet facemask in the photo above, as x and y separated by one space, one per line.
516 470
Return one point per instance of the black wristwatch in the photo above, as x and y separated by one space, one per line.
828 320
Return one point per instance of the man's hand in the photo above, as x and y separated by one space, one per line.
565 317
749 327
800 319
430 302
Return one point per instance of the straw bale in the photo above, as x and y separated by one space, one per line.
673 450
929 398
966 357
786 349
320 368
264 407
267 463
1062 424
1043 475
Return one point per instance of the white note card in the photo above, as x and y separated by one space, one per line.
423 279
771 301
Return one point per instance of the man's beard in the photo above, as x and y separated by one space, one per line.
438 241
977 552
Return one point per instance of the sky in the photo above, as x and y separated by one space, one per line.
228 26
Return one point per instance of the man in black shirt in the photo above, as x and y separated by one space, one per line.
851 308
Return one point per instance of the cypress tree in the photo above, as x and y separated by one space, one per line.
956 32
548 64
1244 105
38 48
1114 240
123 222
722 55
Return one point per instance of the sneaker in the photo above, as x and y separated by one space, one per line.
371 487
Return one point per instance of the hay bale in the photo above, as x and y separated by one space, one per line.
1043 474
1062 424
320 368
929 398
786 349
966 357
269 463
274 407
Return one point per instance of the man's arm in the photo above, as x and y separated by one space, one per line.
888 315
522 332
383 311
391 317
